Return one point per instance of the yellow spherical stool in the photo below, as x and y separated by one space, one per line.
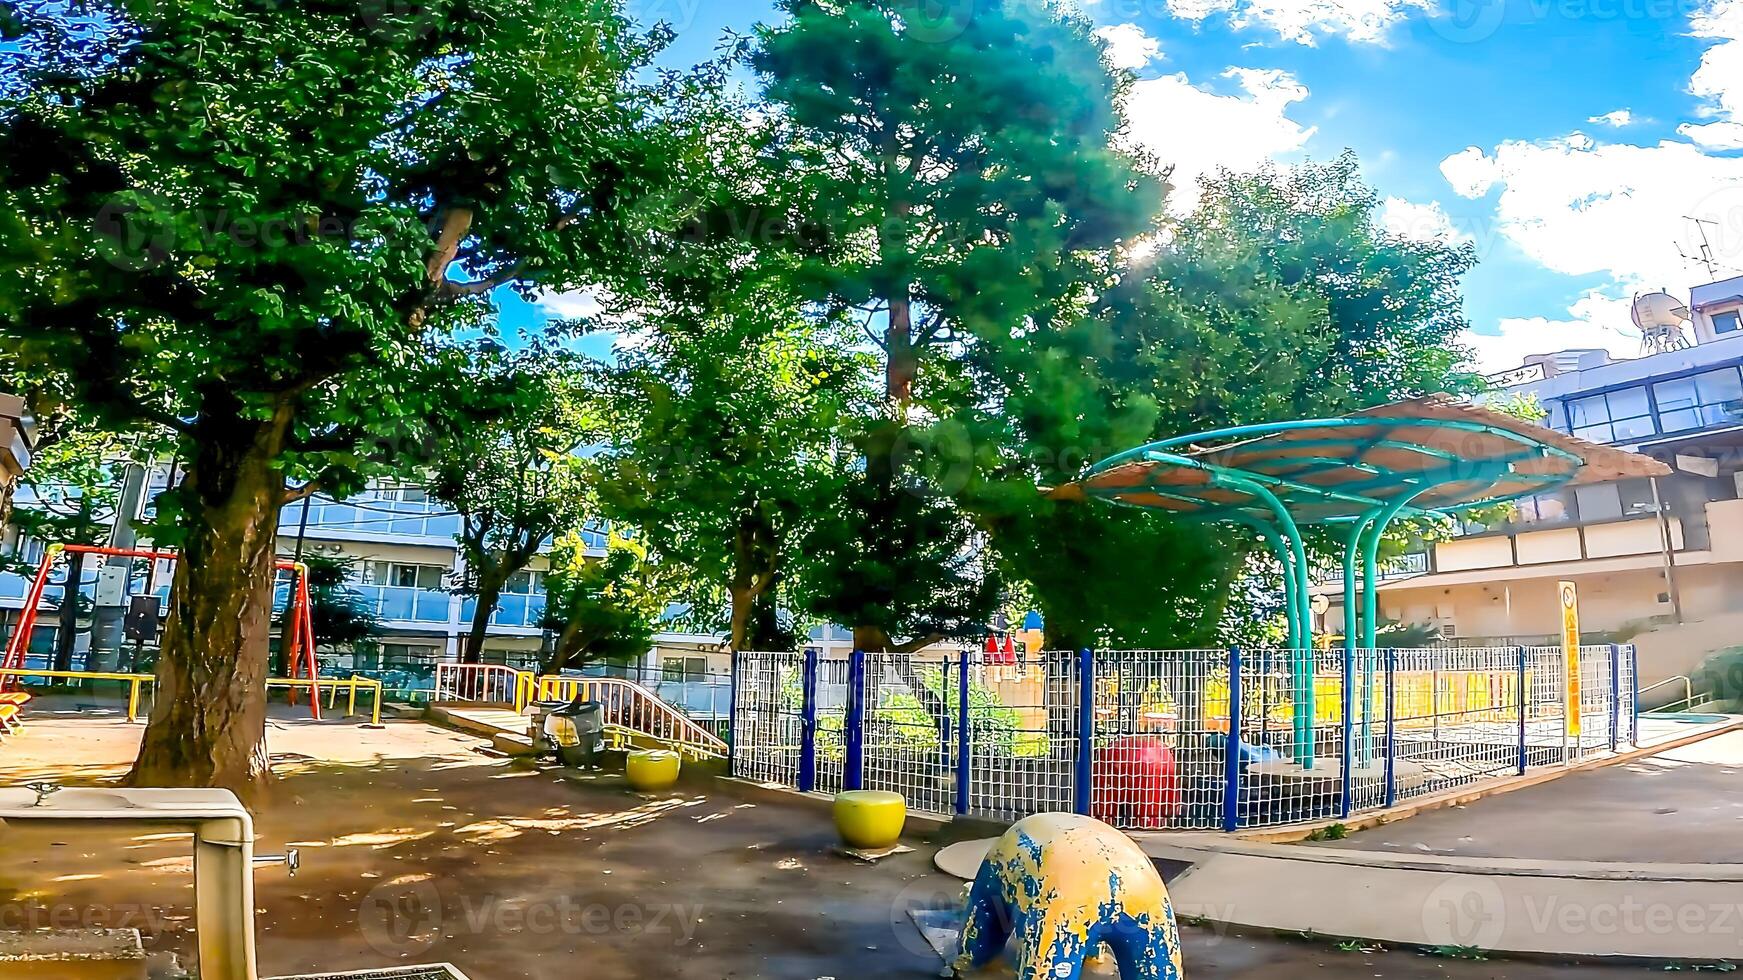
651 769
870 819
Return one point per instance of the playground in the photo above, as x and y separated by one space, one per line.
417 846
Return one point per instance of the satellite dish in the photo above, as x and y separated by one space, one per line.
1660 317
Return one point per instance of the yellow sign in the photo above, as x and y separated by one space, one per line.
1570 649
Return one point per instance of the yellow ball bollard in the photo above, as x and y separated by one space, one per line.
870 819
651 769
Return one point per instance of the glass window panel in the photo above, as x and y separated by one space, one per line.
429 577
1726 322
519 582
1599 502
1636 497
1635 428
1677 421
1595 433
1718 386
1628 403
1588 411
1676 394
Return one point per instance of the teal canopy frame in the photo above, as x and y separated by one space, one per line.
1429 457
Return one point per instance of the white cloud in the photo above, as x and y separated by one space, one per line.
1595 322
569 305
1305 21
1420 222
1714 136
1585 208
1718 82
1197 130
1615 117
1127 46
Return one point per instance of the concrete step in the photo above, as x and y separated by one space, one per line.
73 954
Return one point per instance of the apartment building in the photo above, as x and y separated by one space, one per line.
1646 554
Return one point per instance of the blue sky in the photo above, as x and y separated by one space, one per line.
1570 140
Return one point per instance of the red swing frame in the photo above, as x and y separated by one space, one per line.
302 624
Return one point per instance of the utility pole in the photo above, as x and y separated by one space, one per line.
115 576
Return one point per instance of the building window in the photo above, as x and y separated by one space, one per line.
403 574
525 583
1615 416
1712 398
1545 508
680 669
1727 322
1614 501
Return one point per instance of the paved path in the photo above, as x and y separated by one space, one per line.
1681 806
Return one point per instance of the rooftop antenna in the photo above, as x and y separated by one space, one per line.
1704 254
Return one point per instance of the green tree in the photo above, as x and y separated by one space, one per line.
253 225
964 170
725 449
600 609
516 481
1280 296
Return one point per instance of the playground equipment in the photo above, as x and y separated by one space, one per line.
300 641
870 819
224 860
651 769
1065 884
1144 782
1426 457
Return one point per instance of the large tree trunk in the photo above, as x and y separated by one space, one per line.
489 595
67 620
208 722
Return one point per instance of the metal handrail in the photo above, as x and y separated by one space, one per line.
137 681
1688 688
631 708
487 683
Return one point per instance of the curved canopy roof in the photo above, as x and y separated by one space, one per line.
1431 455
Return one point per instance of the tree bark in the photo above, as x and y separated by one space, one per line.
67 620
489 594
208 722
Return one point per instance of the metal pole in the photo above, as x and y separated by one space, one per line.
1232 755
1524 708
1346 757
962 734
854 775
732 711
1391 735
808 721
1085 727
1669 550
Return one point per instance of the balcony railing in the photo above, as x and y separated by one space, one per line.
513 609
371 518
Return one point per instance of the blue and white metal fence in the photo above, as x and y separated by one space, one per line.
1172 739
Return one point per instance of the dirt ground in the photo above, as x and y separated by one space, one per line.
418 848
1680 806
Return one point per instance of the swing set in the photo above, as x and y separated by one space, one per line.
300 643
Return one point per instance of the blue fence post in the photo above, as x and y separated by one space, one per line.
732 714
1634 675
1615 695
853 775
962 734
1085 728
1524 708
1347 757
1391 725
808 721
1232 758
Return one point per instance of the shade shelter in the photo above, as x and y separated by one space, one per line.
1424 457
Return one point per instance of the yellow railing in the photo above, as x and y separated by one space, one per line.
137 681
332 685
630 709
134 681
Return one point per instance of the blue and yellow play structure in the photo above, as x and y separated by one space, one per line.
1065 885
